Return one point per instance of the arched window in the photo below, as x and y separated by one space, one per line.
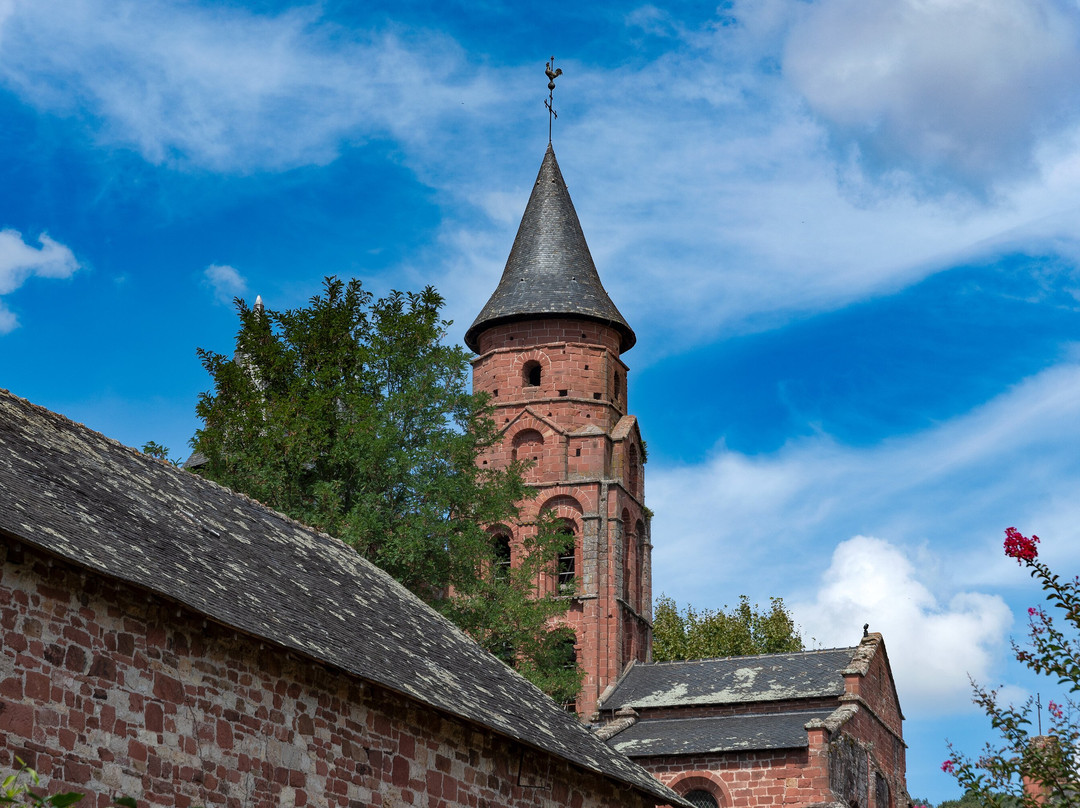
633 478
628 557
502 556
567 569
528 445
618 387
531 373
639 558
700 798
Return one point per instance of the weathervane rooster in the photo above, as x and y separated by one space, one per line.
552 74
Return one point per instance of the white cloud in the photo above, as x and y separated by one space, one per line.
934 646
1013 461
20 261
701 178
227 89
715 204
225 281
939 500
961 87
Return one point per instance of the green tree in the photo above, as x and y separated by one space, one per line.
1022 768
352 415
745 630
156 450
970 799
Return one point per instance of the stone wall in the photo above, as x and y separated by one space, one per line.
794 777
878 725
111 690
559 390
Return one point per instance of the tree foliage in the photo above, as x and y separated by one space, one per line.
970 799
352 415
1024 768
742 631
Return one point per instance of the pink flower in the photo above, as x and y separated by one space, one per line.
948 767
1055 710
1032 611
1019 546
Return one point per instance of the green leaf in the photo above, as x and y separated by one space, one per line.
62 800
353 415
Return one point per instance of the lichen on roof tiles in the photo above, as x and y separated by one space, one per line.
768 677
110 509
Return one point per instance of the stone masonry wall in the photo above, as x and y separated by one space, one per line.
526 333
782 777
879 724
111 690
587 470
885 757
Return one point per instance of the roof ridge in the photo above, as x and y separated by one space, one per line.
852 648
752 716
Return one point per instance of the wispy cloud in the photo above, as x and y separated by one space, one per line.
712 183
226 89
961 90
936 501
1014 460
936 643
20 261
225 281
735 196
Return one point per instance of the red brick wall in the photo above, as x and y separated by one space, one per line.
767 778
591 479
108 690
879 721
553 329
886 755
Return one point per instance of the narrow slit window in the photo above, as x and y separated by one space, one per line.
567 559
502 556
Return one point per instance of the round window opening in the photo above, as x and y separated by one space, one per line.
701 799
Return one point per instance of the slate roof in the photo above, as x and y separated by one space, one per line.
769 677
550 271
108 508
731 733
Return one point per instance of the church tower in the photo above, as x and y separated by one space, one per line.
549 347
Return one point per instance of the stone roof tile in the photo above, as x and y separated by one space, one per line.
550 271
107 508
730 733
769 677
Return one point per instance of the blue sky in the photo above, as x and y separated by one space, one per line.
845 233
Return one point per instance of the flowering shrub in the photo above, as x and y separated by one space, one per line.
1020 547
1034 771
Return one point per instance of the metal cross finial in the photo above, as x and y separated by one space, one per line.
552 74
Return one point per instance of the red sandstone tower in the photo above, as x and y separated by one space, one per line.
549 345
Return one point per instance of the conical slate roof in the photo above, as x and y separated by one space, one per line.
550 272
